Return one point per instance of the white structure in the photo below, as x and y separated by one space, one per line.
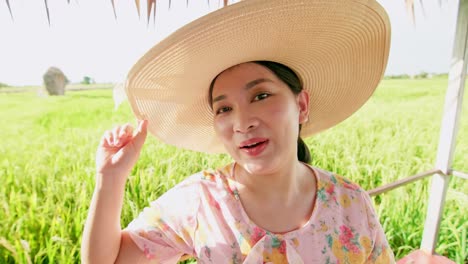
443 171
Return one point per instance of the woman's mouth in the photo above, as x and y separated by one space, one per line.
254 146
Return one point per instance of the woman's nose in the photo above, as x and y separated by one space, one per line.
244 122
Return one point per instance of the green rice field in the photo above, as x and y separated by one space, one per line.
47 166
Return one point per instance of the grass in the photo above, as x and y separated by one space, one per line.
47 167
41 91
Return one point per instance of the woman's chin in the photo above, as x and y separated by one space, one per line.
258 168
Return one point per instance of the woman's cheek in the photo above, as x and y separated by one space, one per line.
276 111
222 127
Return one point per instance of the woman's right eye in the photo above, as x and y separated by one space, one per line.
223 110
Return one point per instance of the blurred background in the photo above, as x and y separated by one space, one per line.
82 50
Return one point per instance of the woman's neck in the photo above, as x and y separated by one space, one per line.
284 185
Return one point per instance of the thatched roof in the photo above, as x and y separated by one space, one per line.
151 7
150 4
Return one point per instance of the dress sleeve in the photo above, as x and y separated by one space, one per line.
164 231
381 251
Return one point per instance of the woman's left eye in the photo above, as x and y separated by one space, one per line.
261 96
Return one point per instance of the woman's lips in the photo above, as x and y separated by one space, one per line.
254 146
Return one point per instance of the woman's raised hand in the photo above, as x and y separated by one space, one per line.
118 151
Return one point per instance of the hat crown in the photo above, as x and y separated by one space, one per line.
338 48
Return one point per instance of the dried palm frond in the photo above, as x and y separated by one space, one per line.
410 9
9 8
113 8
151 4
47 10
137 3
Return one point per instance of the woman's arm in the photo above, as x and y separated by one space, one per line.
101 236
129 252
117 153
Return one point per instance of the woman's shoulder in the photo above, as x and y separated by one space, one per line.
344 202
208 179
184 198
340 194
327 180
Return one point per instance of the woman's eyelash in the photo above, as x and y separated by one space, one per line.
223 110
261 96
258 97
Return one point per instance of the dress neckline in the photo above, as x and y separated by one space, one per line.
252 224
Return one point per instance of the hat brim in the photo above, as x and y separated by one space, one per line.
338 48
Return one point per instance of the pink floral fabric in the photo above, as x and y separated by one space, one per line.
203 217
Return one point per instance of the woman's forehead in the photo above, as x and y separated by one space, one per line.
246 68
242 74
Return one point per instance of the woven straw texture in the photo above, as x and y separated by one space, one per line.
339 48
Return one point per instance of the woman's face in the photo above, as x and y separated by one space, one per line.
257 117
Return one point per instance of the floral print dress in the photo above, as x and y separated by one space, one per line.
203 217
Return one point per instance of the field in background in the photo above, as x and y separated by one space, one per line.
47 167
41 91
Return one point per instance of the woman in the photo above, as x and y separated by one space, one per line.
320 62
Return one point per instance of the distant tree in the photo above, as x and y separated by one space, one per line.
87 80
422 75
3 85
398 76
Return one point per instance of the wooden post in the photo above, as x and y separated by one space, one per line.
448 131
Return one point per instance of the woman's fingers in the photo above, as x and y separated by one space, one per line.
119 136
120 148
107 139
115 135
125 129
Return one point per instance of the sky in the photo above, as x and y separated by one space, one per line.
85 39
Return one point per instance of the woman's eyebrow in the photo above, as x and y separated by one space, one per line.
218 98
248 86
255 82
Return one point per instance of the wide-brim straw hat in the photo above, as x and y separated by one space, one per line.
338 48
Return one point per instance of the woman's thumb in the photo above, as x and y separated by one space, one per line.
140 135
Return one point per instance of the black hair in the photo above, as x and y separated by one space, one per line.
290 78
